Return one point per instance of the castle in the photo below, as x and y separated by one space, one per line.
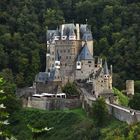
70 58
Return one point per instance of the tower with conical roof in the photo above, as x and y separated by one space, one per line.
86 61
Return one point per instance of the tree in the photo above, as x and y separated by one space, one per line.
100 112
70 89
135 101
12 103
3 113
37 132
53 18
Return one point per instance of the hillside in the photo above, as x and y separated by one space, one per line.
114 24
69 125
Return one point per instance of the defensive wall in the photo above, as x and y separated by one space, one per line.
52 103
121 113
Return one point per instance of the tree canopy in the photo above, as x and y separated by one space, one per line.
114 24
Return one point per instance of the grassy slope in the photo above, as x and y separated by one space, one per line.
122 99
70 125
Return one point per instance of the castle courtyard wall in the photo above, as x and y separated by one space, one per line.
54 103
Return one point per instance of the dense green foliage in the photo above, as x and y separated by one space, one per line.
66 125
100 112
3 113
116 130
137 86
69 125
8 105
135 101
121 98
114 23
70 89
12 103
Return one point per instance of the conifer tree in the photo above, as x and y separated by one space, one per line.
3 113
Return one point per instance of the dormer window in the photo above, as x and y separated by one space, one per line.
64 37
78 65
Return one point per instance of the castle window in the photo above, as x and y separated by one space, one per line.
65 64
78 63
89 65
64 51
69 57
68 50
66 57
89 61
52 59
52 53
81 71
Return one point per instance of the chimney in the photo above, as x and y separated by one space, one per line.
78 32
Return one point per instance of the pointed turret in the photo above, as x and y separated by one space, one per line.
72 35
99 63
85 53
106 71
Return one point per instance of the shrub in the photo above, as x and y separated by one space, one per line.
70 89
100 112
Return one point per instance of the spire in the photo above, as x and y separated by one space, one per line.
106 72
99 63
85 53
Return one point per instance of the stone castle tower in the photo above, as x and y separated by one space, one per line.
64 46
69 57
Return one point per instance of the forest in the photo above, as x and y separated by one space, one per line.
114 24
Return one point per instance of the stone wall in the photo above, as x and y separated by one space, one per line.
53 103
87 67
123 114
50 87
119 112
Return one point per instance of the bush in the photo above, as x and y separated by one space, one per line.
70 89
122 99
100 112
135 101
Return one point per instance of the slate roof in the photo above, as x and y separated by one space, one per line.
52 75
83 28
106 71
87 36
71 32
85 54
51 34
41 77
